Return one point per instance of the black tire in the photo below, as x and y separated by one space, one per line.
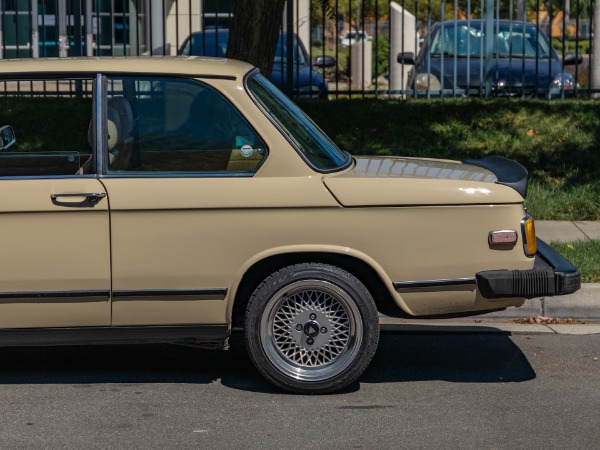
311 328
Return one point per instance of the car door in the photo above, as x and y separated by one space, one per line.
176 176
54 221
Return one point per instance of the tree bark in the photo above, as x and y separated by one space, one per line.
595 56
253 32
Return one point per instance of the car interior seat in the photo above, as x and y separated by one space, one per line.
118 107
113 124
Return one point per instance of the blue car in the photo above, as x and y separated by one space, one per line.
524 61
307 82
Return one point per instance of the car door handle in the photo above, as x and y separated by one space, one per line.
89 199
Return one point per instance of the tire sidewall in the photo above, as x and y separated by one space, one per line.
358 294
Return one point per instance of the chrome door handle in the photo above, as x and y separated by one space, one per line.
89 199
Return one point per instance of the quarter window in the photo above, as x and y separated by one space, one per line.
160 125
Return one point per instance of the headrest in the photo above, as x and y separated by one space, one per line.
114 128
123 109
113 124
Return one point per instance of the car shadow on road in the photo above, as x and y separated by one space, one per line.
401 357
462 355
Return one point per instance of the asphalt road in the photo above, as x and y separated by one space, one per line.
422 391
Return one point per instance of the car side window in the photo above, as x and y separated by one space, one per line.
169 125
50 120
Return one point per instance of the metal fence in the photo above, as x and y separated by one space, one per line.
342 48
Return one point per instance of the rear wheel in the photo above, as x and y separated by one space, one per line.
311 328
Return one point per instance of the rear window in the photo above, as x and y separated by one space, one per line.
314 145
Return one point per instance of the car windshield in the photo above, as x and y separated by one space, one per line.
215 44
306 136
516 41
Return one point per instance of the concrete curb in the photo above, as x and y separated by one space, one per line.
478 326
455 327
583 304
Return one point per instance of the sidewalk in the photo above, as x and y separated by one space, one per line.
567 231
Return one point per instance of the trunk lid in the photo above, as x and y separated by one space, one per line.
400 181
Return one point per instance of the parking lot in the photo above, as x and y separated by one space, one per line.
425 389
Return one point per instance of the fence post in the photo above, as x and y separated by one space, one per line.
157 24
2 15
35 41
403 38
489 45
77 35
89 30
61 20
289 43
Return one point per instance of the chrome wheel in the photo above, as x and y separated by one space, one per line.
311 330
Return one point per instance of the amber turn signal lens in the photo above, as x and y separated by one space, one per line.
530 241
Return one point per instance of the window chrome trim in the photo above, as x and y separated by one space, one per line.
99 119
175 175
47 177
34 76
434 283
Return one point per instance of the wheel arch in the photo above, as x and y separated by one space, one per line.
367 271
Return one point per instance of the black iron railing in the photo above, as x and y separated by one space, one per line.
342 48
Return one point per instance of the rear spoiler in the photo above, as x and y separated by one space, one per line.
508 172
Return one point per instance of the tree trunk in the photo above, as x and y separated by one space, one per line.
254 30
520 10
595 56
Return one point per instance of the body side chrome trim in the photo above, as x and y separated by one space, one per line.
171 294
100 294
433 283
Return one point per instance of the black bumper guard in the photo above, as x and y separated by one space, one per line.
552 275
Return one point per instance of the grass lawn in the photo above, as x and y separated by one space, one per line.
585 255
556 140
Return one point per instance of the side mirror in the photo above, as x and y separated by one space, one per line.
571 59
7 137
324 61
406 58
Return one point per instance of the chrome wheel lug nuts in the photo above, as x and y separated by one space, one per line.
299 327
323 330
310 341
313 316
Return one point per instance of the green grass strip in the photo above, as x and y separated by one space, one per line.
585 255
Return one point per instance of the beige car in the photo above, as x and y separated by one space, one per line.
172 199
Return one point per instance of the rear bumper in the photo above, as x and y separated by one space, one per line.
552 275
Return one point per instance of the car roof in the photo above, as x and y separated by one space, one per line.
195 66
225 31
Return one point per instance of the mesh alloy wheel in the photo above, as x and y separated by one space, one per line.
311 330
